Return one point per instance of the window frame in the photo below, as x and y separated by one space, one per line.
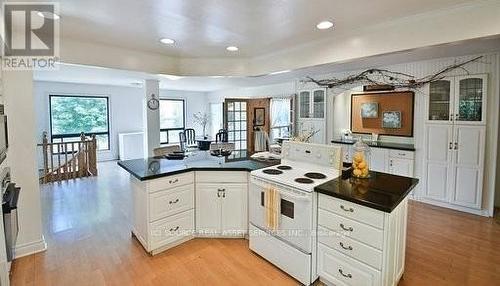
183 118
62 136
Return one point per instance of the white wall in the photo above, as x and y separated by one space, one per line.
126 107
21 158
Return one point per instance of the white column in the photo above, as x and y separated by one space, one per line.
151 117
22 160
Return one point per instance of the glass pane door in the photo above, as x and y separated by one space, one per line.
470 99
236 124
319 103
304 104
439 100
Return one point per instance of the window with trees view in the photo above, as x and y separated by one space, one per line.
172 120
72 115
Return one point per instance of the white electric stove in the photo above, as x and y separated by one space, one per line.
292 246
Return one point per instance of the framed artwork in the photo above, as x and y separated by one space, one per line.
259 116
391 119
369 110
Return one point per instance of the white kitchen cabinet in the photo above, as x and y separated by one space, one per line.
312 103
454 164
163 213
361 246
221 204
460 100
311 109
221 210
401 167
378 160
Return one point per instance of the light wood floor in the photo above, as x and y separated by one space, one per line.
86 225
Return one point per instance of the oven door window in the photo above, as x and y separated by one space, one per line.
287 207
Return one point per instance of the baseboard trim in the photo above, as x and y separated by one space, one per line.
30 248
482 212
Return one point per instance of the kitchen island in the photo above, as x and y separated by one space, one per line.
362 229
164 198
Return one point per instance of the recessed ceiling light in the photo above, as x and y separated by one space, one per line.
232 48
279 72
48 15
324 25
167 41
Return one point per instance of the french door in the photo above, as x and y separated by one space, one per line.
235 122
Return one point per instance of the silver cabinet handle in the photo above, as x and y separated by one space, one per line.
344 247
173 202
173 181
346 209
345 275
346 228
174 229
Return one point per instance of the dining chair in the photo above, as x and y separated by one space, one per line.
190 137
182 140
221 136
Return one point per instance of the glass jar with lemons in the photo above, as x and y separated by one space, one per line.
361 159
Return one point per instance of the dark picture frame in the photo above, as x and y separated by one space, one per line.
259 116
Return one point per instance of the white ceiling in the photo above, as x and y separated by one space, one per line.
105 76
203 28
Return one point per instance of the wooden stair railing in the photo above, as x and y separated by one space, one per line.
68 160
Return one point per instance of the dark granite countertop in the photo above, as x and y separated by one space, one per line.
381 191
378 144
152 168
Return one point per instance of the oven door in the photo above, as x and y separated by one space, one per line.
295 224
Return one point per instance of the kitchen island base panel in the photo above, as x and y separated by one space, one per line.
342 262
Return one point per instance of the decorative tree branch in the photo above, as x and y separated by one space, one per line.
387 77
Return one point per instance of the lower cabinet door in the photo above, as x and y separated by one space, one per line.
401 167
208 209
338 269
378 161
234 220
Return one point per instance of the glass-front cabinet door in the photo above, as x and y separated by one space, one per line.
318 103
470 99
440 107
305 104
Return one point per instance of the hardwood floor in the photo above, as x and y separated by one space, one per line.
86 225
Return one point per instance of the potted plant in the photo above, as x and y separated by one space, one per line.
202 119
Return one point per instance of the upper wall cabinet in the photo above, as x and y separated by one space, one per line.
312 104
458 100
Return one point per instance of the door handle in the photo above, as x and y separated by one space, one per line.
346 228
173 202
346 209
456 117
173 181
451 117
345 275
345 247
456 145
450 146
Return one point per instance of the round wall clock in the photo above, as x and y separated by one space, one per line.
153 103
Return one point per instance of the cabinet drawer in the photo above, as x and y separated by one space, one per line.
356 230
353 211
350 247
401 154
339 269
170 182
221 177
169 202
171 229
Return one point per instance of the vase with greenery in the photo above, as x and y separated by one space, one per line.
202 119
